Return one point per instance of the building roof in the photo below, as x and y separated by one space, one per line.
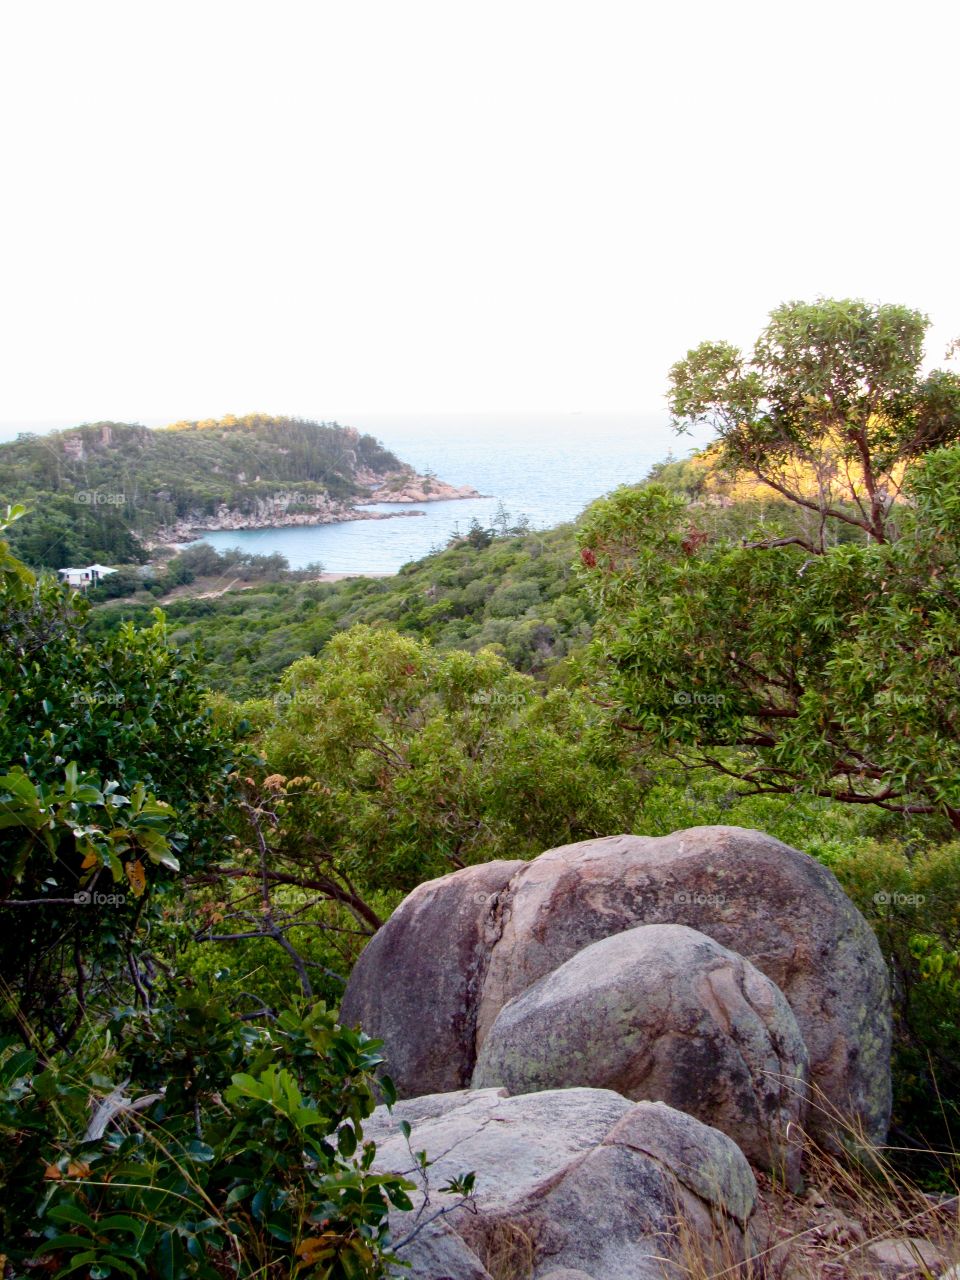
100 569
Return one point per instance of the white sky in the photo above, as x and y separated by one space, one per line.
424 205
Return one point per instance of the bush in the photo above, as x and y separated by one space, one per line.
243 1154
111 773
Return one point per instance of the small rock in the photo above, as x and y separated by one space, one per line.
912 1256
565 1273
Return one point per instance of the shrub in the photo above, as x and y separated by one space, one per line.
243 1154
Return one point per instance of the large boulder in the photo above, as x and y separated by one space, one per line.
779 908
663 1013
775 906
573 1179
417 983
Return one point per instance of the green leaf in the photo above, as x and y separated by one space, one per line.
346 1141
70 1213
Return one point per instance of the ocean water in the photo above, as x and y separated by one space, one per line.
546 467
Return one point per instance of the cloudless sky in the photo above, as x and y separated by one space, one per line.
377 206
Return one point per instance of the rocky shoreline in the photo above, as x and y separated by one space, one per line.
287 509
409 487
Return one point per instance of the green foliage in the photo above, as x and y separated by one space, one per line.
326 935
244 1155
834 387
910 893
835 673
411 762
111 773
96 491
519 596
240 1149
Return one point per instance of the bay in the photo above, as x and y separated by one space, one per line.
547 467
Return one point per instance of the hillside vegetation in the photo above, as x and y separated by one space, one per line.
96 492
518 595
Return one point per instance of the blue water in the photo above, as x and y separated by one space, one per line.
547 467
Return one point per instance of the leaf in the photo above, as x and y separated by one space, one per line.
315 1248
61 1242
346 1141
260 1203
399 1198
18 1064
91 860
163 858
87 794
136 876
70 1213
120 1222
106 1265
389 1090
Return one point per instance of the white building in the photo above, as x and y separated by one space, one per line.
83 578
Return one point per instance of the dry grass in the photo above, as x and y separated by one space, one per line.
851 1202
507 1248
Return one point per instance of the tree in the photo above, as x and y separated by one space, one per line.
392 763
477 535
827 411
784 659
147 1127
111 771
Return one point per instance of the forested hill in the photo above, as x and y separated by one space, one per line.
518 594
97 491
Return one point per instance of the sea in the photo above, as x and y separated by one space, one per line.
544 467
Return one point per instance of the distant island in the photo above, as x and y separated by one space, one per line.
116 491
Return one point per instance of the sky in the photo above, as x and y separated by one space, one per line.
431 206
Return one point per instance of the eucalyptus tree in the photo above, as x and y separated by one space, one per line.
786 659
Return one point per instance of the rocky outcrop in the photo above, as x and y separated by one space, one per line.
270 513
664 1013
419 979
775 906
900 1259
407 486
287 508
577 1181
